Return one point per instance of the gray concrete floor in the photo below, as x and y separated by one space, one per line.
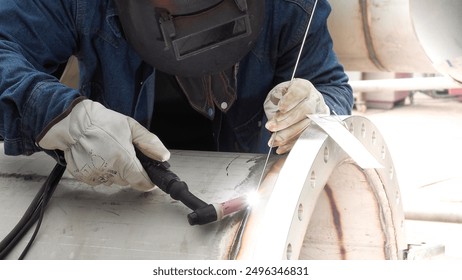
424 136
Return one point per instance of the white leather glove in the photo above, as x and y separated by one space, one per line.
287 106
98 146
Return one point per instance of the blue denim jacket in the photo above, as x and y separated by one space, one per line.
36 36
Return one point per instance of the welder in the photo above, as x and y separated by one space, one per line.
159 75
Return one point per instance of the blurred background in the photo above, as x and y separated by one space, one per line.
405 65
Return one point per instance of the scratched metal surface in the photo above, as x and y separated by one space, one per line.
84 222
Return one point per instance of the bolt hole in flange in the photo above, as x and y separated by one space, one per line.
313 179
300 212
351 128
326 154
374 138
363 130
383 152
289 251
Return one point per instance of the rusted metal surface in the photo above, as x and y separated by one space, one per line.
336 216
355 205
367 209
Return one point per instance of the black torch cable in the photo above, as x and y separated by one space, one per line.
33 214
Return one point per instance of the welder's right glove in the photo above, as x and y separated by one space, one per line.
287 106
99 145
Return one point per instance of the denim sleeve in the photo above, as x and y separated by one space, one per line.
36 36
318 61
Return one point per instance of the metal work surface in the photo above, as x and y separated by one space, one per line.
84 222
290 220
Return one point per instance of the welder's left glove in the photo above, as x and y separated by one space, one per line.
287 106
99 145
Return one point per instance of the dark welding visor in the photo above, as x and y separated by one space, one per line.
191 38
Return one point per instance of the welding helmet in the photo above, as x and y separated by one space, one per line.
191 37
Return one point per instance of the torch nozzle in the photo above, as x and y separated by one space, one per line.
216 212
161 175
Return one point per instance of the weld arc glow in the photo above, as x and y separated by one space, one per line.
237 204
252 198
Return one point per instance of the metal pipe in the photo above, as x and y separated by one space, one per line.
391 85
407 36
435 214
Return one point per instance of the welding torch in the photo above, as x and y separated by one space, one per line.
203 213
